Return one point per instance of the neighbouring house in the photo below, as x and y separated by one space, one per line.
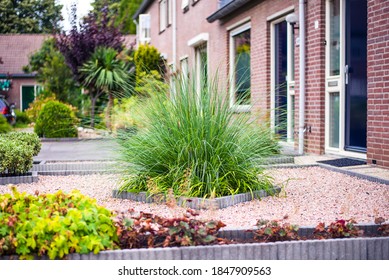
15 49
319 67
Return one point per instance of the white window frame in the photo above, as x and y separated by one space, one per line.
185 5
144 28
233 105
163 18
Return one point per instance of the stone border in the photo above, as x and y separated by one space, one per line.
25 179
374 248
363 248
195 202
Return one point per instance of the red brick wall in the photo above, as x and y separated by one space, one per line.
315 78
378 82
13 95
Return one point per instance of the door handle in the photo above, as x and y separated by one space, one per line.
346 72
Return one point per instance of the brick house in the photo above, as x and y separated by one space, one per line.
15 50
340 104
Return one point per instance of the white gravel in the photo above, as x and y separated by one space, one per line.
309 196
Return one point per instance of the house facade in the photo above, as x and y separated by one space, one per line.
320 68
15 50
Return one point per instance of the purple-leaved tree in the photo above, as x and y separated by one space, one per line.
78 45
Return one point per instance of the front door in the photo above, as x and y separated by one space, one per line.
356 75
283 79
28 96
346 76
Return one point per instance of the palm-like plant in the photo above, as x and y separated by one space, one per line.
104 73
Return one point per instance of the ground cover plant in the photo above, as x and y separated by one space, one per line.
194 145
54 225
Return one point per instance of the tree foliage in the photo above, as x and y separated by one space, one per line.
120 13
79 44
52 71
33 16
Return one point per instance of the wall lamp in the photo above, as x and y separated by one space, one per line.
292 19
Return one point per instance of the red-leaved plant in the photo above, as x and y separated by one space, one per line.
337 229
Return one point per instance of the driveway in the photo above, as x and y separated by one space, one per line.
78 150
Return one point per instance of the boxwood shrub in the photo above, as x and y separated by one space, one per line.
15 157
56 120
4 125
54 225
29 139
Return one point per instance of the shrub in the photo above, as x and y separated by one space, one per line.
22 117
195 145
146 58
56 120
54 225
15 157
37 105
4 125
31 140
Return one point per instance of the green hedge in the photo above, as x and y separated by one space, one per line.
56 120
29 139
15 157
4 125
54 225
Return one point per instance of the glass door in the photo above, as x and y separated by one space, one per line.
346 75
283 80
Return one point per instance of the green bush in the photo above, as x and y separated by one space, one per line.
22 117
31 140
146 58
15 157
54 225
37 105
195 145
56 120
4 125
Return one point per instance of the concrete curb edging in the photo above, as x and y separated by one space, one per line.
373 248
195 202
26 179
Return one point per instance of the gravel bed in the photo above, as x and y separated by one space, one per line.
309 196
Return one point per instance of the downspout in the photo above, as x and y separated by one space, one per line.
174 35
302 77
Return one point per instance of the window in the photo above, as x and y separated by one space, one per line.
165 14
144 28
163 19
240 72
185 5
184 65
201 61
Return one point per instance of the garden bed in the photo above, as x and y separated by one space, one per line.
370 247
195 202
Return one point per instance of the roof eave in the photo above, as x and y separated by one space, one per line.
226 10
142 8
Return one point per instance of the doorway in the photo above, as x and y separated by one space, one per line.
346 76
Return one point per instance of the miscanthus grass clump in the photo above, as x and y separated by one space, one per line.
194 145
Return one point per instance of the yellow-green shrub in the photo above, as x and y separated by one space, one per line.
54 225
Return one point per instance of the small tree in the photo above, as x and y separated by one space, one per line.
79 44
146 59
107 74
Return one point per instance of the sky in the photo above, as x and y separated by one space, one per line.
83 6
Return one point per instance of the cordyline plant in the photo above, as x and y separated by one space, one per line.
80 43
